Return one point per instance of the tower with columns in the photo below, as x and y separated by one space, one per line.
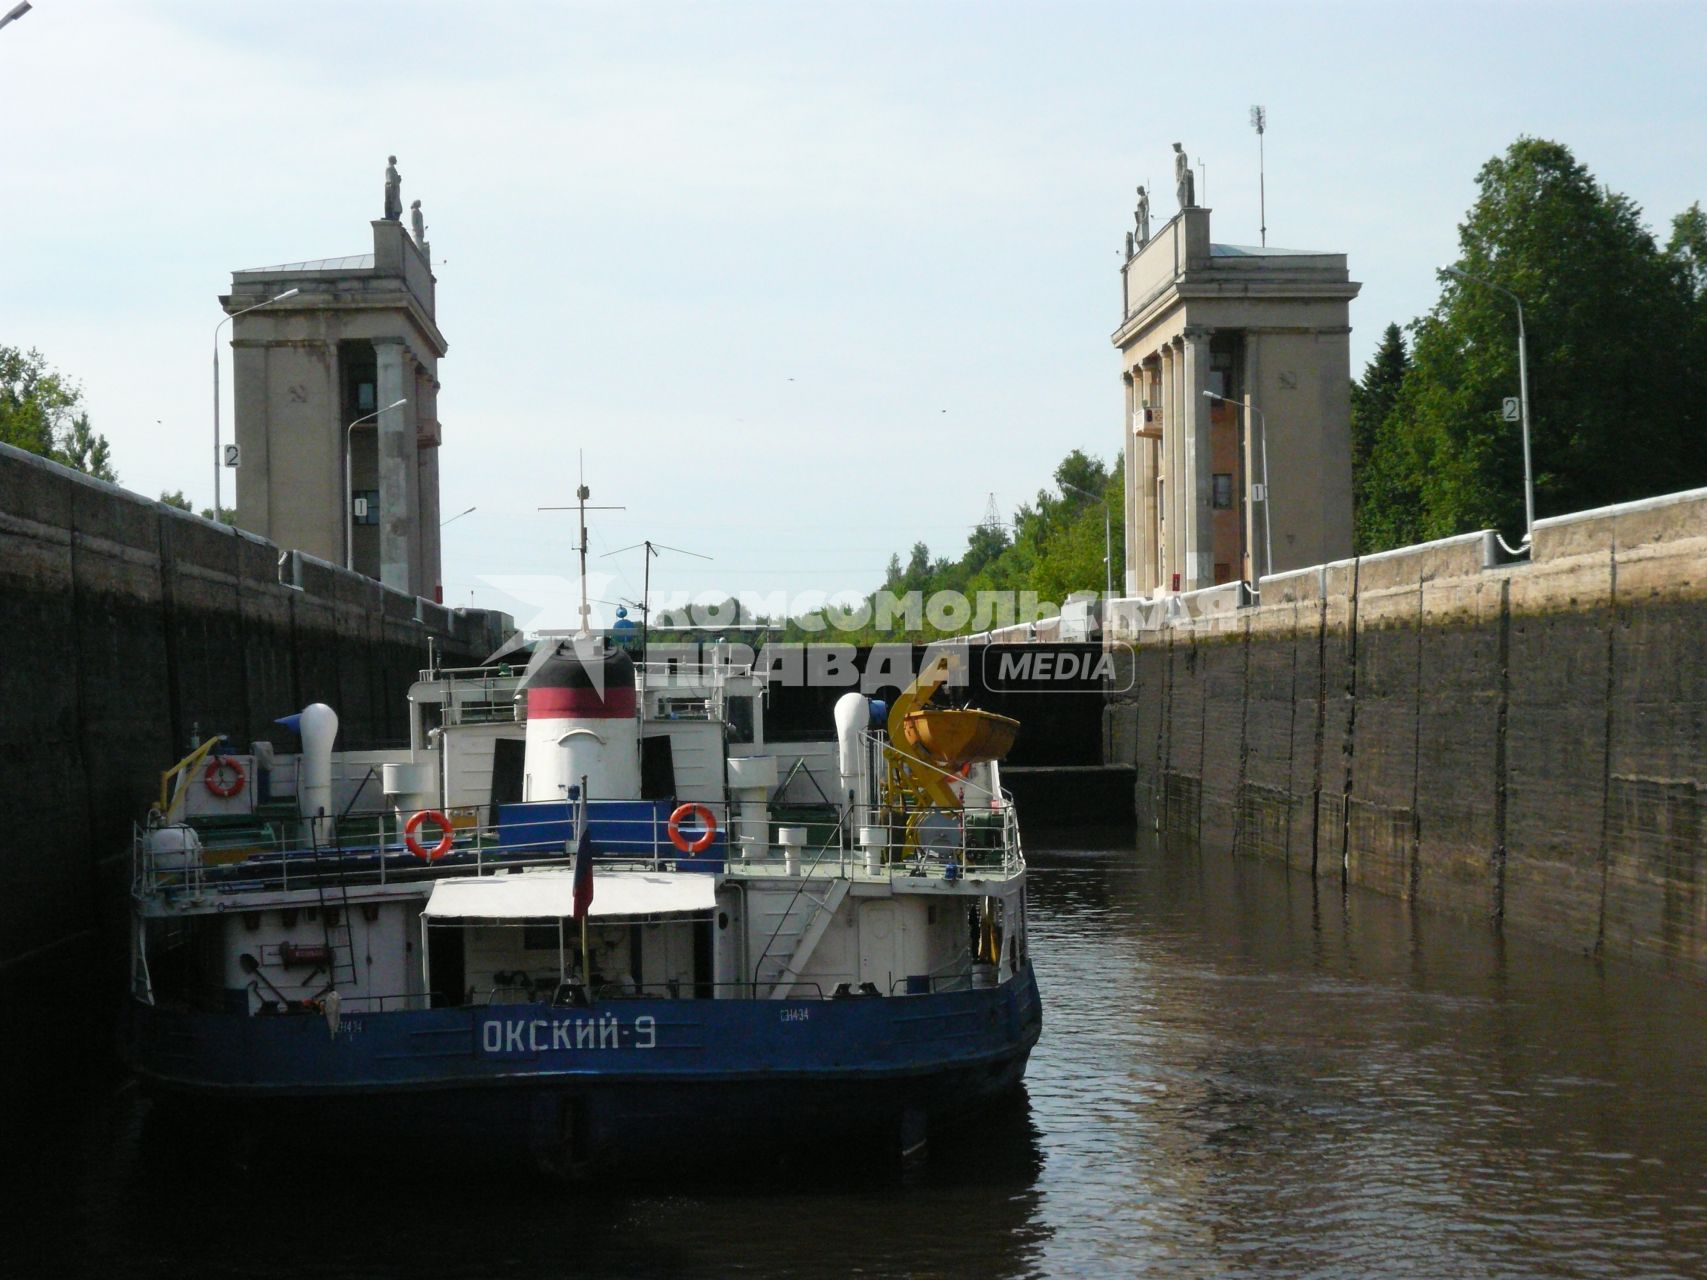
314 376
1268 329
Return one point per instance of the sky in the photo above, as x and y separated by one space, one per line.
803 283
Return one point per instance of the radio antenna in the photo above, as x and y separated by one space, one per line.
652 549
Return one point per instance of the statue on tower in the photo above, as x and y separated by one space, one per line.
418 222
1183 182
1141 216
393 191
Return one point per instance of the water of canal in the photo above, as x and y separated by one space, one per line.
1238 1077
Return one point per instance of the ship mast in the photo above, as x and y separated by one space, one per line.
582 493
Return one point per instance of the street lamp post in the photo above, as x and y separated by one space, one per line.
15 12
349 501
217 460
1522 393
1107 543
1267 523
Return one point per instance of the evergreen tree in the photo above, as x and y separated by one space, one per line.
1372 401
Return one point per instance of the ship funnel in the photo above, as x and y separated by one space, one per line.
581 723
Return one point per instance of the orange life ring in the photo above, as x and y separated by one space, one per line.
707 819
414 824
213 779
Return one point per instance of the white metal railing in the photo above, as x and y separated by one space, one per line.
266 859
973 841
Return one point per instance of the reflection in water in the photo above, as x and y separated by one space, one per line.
1280 1082
1238 1076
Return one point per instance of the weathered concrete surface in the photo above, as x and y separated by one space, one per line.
1521 743
127 626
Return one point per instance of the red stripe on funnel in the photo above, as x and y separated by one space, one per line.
580 704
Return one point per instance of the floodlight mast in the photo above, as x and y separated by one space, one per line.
1259 122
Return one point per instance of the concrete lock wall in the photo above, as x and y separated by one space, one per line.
126 626
1523 743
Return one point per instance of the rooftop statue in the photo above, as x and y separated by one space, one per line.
418 222
393 191
1183 181
1141 216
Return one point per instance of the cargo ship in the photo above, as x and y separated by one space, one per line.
591 916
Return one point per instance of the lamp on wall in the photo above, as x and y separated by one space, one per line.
277 297
349 516
1522 392
1107 542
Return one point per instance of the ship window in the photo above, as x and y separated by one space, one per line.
740 717
539 937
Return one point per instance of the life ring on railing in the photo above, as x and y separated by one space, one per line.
214 781
414 824
707 819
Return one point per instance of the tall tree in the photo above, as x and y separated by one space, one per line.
1687 254
1373 399
41 410
1687 251
1608 319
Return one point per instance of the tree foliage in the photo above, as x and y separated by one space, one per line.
176 498
1053 547
41 411
1614 335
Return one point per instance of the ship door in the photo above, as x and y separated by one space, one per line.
446 965
877 927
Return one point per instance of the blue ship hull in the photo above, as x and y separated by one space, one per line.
626 1079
